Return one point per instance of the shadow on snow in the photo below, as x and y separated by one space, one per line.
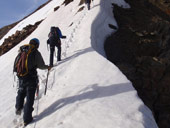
95 93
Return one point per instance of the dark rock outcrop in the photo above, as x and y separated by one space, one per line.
4 30
141 49
16 38
56 8
66 2
82 2
80 9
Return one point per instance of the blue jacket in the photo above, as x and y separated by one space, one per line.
59 33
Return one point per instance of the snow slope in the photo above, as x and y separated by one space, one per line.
85 90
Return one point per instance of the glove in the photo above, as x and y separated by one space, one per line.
63 37
49 68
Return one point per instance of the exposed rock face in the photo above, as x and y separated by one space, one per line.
82 2
56 8
141 49
66 2
4 30
164 5
16 38
80 9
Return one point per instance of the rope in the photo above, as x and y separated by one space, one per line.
37 106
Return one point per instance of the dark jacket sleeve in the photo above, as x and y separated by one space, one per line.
40 62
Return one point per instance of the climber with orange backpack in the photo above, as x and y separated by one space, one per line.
25 66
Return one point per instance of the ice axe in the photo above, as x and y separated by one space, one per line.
46 83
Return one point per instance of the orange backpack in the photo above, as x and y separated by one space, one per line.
21 61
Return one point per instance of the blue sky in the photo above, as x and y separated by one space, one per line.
14 10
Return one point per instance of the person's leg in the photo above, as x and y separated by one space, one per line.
20 98
51 55
28 108
88 6
59 53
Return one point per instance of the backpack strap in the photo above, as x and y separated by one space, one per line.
29 51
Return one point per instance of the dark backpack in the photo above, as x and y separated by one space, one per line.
54 39
22 61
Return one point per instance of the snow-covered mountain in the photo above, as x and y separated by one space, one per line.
85 90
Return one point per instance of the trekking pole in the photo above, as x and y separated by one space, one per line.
14 80
37 91
46 83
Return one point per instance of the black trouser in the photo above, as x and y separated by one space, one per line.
88 2
88 6
26 90
52 49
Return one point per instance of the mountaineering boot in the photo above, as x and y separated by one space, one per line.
27 122
18 111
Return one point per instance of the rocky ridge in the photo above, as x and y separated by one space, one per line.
16 38
141 49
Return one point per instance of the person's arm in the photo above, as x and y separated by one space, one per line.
60 34
48 41
48 34
40 62
63 37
